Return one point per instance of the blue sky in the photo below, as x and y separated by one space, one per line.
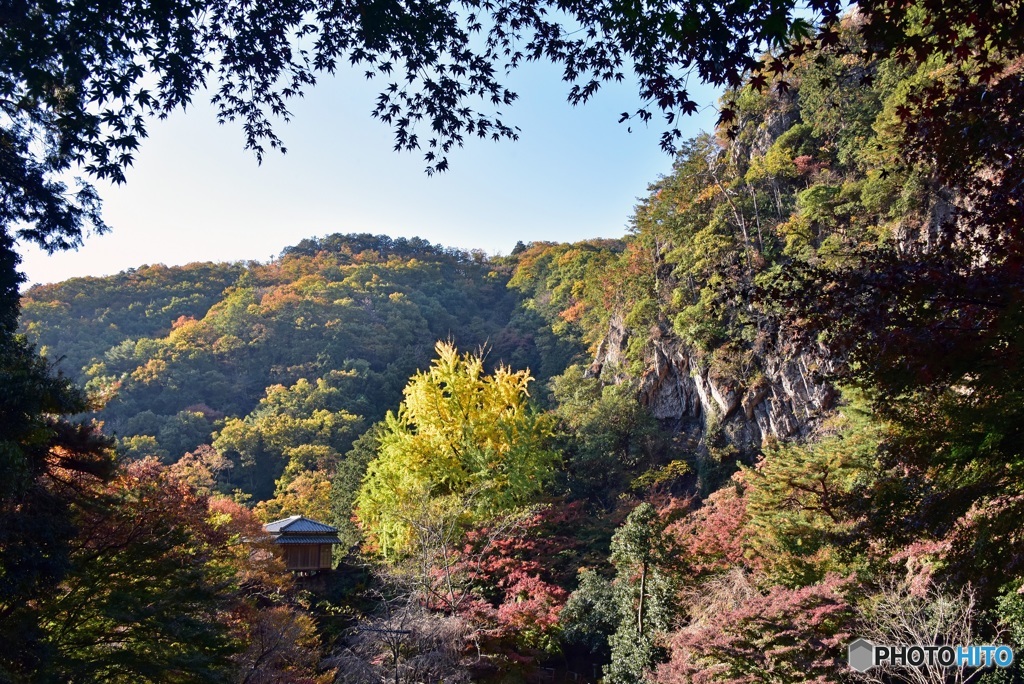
195 193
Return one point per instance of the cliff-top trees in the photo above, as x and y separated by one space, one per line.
78 81
83 78
462 441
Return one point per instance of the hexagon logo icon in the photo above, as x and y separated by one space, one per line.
861 655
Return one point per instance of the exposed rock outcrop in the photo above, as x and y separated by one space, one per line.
788 400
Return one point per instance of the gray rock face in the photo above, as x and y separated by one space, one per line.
788 402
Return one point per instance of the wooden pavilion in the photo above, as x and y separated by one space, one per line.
306 544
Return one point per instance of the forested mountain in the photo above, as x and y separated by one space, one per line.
783 412
336 324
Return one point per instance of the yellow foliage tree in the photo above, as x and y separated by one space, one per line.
461 440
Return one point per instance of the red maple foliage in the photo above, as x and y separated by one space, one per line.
782 635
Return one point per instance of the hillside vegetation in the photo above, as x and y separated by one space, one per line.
312 348
785 411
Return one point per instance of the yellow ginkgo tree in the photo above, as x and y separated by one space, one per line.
462 441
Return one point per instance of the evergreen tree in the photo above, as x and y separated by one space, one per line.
644 593
46 465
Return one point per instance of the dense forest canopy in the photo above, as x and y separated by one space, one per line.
783 412
336 325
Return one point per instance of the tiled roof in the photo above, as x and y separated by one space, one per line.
308 539
298 524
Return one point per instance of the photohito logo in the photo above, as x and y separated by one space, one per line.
864 655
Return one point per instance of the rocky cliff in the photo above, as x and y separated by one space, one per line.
787 401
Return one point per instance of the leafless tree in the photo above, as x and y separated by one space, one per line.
706 602
404 644
897 616
443 562
282 644
417 634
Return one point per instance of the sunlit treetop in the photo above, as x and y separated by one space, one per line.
462 440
